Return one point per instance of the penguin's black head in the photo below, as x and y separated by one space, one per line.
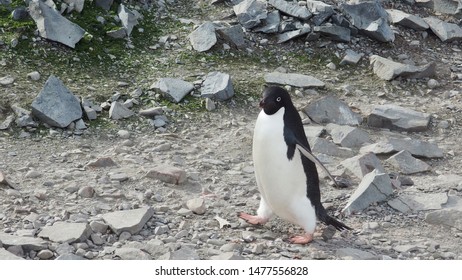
274 98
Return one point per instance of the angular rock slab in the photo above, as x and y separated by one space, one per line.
450 215
173 89
63 232
348 136
413 202
51 25
184 253
371 19
452 7
27 243
363 164
395 117
119 111
289 35
105 4
407 20
56 105
405 163
387 69
127 18
291 9
330 109
168 174
351 57
375 187
131 254
270 24
323 146
250 13
233 35
218 86
354 254
293 79
447 32
204 37
334 32
5 255
415 147
131 221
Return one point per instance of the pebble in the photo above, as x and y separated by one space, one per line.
248 236
432 83
196 205
86 192
34 76
45 254
124 134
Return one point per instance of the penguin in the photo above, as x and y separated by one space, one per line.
285 168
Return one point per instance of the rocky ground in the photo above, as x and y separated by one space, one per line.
180 187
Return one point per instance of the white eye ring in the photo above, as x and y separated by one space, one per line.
278 99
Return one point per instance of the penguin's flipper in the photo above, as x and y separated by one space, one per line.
307 153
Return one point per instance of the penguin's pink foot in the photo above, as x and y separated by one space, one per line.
302 239
254 220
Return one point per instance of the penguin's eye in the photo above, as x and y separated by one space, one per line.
278 99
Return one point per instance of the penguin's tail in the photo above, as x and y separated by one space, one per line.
322 215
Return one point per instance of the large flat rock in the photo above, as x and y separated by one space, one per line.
63 232
416 147
27 243
387 69
293 79
405 163
53 26
5 255
398 118
330 109
411 201
173 89
447 32
131 221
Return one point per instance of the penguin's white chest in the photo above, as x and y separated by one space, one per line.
282 182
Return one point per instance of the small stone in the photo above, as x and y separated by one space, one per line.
7 80
34 76
86 192
45 254
432 83
168 174
248 236
102 162
196 205
124 134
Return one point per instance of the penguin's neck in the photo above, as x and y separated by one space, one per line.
269 125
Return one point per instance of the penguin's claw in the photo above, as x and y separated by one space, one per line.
301 239
254 220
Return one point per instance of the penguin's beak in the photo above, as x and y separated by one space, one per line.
262 103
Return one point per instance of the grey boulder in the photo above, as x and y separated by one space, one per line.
218 86
56 105
173 89
53 26
374 187
250 13
330 109
293 79
387 69
203 38
370 18
447 32
398 118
